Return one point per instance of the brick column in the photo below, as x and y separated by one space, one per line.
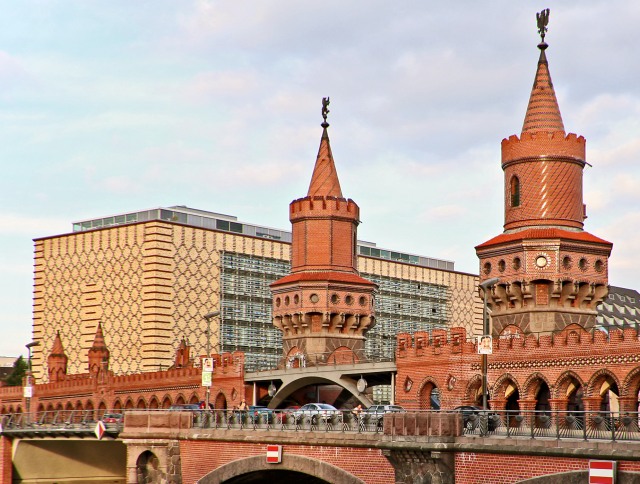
421 466
628 404
6 462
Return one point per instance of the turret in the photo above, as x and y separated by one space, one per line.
323 307
551 272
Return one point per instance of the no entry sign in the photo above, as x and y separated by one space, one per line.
602 472
274 454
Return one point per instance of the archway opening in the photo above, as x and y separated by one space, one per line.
429 397
147 468
279 476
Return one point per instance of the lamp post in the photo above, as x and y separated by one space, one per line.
208 317
28 389
486 285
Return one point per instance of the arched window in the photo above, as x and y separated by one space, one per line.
515 191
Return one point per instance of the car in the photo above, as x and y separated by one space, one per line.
112 420
260 414
186 407
315 412
471 417
377 412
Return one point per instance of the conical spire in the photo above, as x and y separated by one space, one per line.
324 181
57 348
98 341
543 113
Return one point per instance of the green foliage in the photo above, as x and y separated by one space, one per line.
20 368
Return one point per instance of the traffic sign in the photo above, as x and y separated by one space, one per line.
602 472
100 429
274 454
207 378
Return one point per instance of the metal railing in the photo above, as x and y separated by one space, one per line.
587 425
315 360
59 422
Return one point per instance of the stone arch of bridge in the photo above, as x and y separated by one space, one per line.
291 462
293 383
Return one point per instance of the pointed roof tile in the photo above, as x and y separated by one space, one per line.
57 348
324 181
543 113
98 341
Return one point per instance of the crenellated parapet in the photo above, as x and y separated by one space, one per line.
544 145
324 206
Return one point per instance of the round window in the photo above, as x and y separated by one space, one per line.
487 267
566 262
516 264
278 302
314 298
541 261
502 265
362 301
582 264
349 300
286 301
296 299
599 265
335 299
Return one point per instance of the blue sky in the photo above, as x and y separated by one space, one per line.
115 106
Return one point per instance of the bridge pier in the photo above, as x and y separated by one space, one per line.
423 467
153 461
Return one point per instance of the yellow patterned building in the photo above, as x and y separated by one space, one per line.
149 277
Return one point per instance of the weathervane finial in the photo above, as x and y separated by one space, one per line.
543 21
325 111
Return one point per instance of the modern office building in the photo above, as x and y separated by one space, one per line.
150 276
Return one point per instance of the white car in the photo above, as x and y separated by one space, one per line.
315 412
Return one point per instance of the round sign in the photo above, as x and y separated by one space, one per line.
361 385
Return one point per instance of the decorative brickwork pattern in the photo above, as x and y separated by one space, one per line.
573 356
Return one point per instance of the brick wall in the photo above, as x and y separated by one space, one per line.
472 468
201 457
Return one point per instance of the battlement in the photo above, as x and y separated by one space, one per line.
324 206
441 344
543 143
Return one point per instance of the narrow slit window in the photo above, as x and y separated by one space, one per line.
515 191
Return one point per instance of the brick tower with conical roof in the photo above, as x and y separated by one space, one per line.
57 361
98 354
324 308
551 273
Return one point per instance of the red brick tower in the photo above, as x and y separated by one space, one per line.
323 305
551 272
57 361
98 353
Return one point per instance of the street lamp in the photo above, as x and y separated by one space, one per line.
208 317
485 285
28 389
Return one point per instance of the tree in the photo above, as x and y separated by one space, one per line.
20 368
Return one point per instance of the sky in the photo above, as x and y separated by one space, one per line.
116 106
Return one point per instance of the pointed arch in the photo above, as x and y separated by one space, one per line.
514 191
154 403
220 401
117 405
564 381
533 383
631 384
429 395
166 401
594 386
474 389
141 404
499 389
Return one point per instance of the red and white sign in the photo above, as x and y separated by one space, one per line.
602 472
100 429
274 454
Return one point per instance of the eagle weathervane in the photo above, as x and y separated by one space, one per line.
325 111
543 21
